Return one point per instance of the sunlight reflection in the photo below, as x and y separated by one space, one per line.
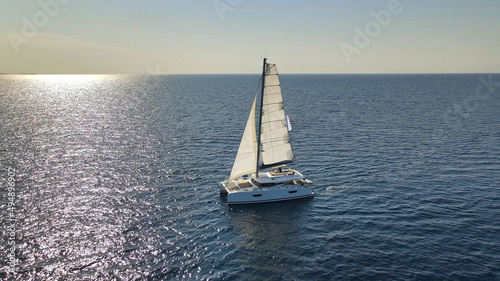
70 78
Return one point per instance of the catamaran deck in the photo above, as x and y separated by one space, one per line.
268 187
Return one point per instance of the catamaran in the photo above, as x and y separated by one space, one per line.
259 172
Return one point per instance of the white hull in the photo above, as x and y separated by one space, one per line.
266 195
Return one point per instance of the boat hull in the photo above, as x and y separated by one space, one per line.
269 195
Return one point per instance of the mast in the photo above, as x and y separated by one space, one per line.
260 117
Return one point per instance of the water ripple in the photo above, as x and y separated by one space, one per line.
116 179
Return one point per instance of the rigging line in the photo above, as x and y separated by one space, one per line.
258 85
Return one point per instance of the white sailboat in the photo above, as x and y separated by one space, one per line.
259 171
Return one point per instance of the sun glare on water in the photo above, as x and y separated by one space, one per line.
70 78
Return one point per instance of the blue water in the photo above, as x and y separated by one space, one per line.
116 178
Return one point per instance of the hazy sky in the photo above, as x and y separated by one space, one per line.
231 36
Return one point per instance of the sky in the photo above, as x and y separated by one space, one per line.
232 36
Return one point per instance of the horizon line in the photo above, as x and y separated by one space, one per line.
287 73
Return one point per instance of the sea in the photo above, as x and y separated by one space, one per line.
115 177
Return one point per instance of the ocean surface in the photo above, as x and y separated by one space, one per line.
116 178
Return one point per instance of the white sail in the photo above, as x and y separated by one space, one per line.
288 124
246 159
276 148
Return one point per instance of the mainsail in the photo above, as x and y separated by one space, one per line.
246 159
275 148
275 145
